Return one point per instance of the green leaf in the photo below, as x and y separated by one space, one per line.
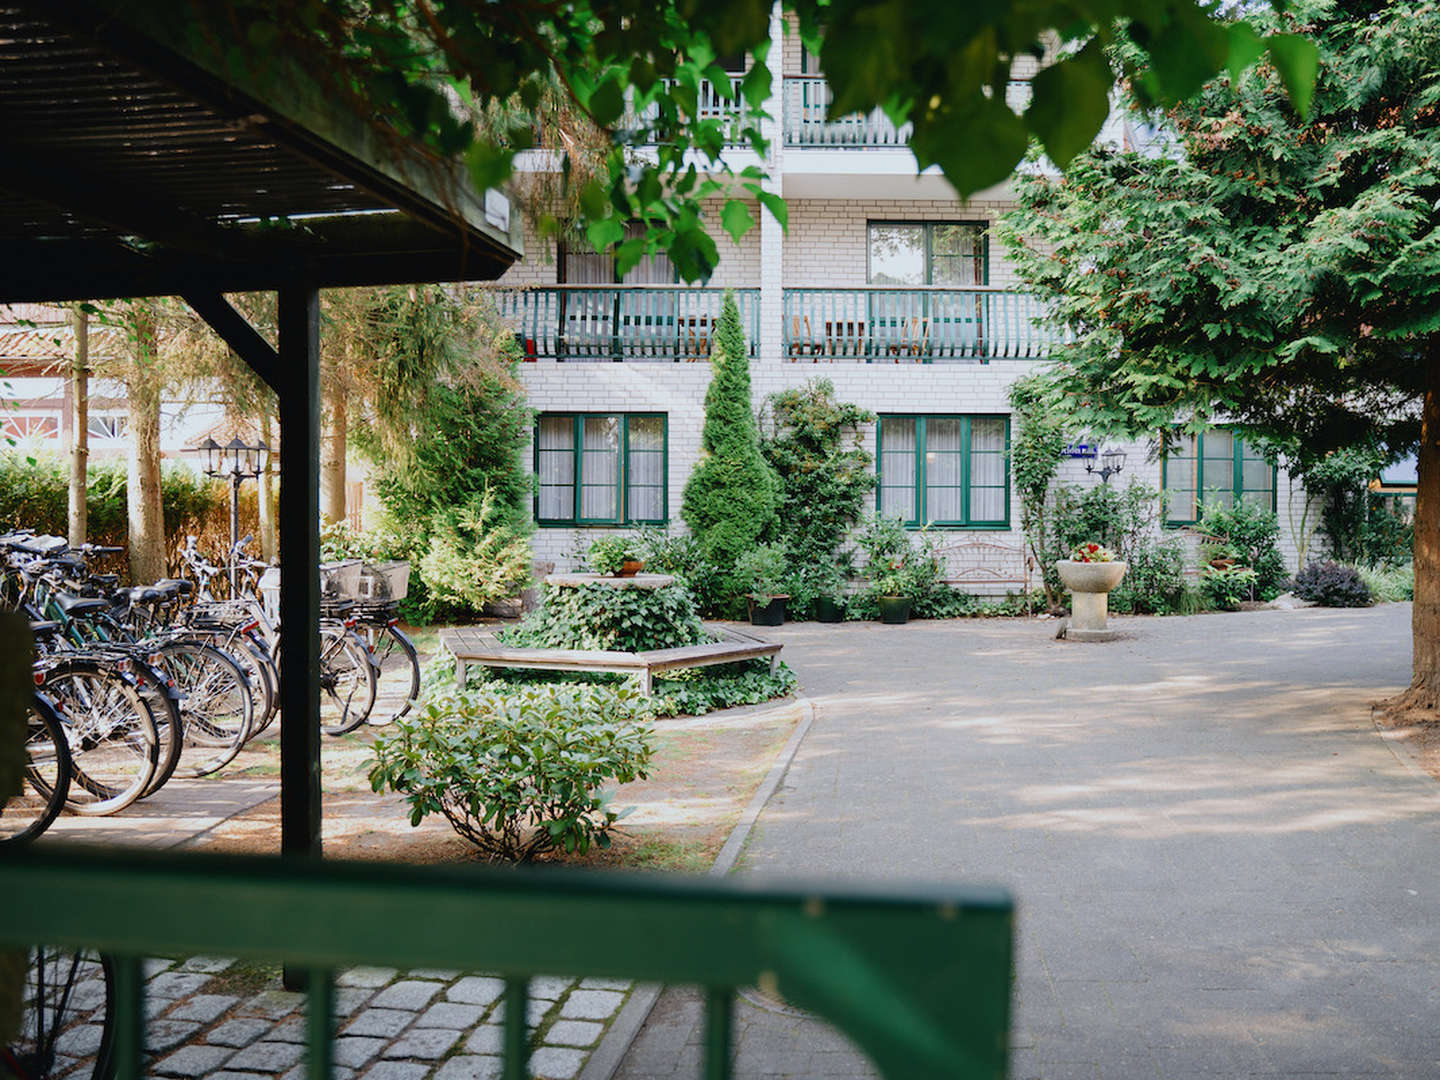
489 165
608 101
736 219
1071 102
1245 48
1298 60
776 205
950 140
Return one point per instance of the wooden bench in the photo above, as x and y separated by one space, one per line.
477 645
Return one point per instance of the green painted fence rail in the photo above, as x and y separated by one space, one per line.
921 982
905 324
608 323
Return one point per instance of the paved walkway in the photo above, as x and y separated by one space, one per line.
1222 870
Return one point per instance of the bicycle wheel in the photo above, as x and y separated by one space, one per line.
114 747
347 680
46 780
397 680
218 707
163 702
259 666
67 1027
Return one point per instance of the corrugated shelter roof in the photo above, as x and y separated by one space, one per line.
139 156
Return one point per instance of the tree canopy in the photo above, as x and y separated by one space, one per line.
438 69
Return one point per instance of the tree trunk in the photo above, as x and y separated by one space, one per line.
1425 625
143 384
332 458
79 424
267 489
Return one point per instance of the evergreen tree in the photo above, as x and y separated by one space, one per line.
1278 272
731 497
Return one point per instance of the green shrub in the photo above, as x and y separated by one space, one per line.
1332 584
696 691
518 774
609 554
680 554
761 571
813 443
730 499
1154 582
1226 588
473 559
600 616
1253 534
897 566
1389 584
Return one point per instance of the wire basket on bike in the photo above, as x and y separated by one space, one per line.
384 582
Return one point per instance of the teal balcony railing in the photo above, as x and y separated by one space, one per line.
607 323
807 100
908 324
920 982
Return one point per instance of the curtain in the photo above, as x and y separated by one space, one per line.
989 475
897 468
1181 476
1217 468
600 468
556 446
944 475
645 468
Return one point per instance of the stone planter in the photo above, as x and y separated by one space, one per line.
1090 585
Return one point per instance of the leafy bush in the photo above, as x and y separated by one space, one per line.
1041 429
1226 588
473 560
599 616
1154 582
1385 537
730 498
1389 584
807 584
518 774
896 566
695 691
761 571
609 554
813 443
680 554
1253 534
1125 521
1332 584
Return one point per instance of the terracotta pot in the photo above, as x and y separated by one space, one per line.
1090 577
631 567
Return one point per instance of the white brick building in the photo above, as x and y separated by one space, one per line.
885 283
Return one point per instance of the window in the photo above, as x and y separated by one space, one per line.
30 427
599 469
1214 468
107 426
580 264
945 470
949 253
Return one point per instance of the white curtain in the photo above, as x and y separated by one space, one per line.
600 468
944 493
557 467
1217 469
989 477
897 468
645 479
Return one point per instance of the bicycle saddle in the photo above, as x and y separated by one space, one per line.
79 605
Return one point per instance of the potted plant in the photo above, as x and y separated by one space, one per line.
615 556
895 589
761 573
829 604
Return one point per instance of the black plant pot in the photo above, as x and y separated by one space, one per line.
828 609
895 609
770 613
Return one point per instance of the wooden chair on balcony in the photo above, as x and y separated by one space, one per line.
845 339
694 338
802 342
914 339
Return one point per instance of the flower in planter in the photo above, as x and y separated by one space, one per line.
1092 552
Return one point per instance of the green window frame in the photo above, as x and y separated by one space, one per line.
1214 467
946 470
602 469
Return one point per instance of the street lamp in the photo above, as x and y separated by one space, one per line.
1112 461
239 461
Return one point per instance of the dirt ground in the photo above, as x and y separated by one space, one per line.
703 773
1417 730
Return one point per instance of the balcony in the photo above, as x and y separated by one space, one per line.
807 100
612 323
710 104
909 324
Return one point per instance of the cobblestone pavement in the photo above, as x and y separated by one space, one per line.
392 1025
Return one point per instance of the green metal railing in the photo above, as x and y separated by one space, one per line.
807 100
621 322
913 324
921 983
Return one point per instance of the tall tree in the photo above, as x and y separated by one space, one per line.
1279 272
939 66
79 421
730 499
144 380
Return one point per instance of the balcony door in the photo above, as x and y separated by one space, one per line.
926 323
602 322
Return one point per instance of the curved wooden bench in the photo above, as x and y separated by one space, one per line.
476 645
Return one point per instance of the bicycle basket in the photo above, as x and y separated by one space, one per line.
385 581
341 579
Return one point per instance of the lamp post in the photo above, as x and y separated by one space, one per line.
239 461
1111 462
